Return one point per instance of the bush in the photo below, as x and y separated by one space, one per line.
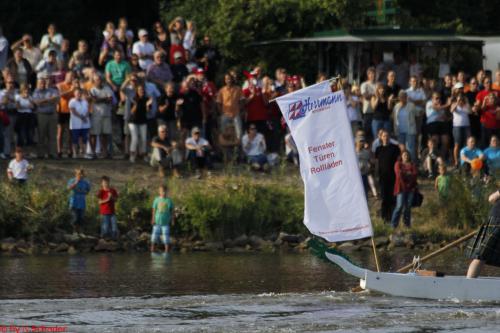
213 209
239 206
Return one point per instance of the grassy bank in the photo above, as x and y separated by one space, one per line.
223 207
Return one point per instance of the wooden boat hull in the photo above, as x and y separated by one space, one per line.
416 286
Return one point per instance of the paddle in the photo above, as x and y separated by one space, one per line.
441 250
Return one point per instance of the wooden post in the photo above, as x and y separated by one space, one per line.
375 255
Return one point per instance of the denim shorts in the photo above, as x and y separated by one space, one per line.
160 231
76 134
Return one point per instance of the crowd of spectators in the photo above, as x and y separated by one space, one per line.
148 95
151 96
425 127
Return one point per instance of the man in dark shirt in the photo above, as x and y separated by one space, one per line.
387 154
168 108
192 107
485 248
165 153
207 57
178 69
391 88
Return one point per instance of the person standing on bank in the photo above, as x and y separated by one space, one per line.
387 154
485 248
79 188
406 184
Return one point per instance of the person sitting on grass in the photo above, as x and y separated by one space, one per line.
165 153
442 182
492 157
107 197
162 216
254 147
18 169
79 188
432 158
468 154
197 151
229 143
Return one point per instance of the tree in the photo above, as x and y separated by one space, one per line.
238 27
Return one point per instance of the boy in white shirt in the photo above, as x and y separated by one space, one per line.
18 169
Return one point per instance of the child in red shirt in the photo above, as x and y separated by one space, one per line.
107 197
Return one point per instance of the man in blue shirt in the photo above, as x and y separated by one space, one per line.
492 156
468 154
79 188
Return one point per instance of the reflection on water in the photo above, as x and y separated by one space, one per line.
222 292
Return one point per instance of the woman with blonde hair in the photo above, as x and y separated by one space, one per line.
177 29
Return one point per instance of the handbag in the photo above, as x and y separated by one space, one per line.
4 118
418 198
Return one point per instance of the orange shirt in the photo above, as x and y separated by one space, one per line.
229 98
65 98
495 86
87 85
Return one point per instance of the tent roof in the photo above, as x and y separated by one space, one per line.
388 35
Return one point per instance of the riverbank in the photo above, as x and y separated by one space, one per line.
233 210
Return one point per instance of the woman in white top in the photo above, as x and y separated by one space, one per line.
460 109
79 122
52 40
25 121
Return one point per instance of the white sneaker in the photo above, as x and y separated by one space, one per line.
132 159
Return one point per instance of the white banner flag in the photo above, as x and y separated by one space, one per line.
335 203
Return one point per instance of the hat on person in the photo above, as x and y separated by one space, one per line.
142 32
195 130
458 85
177 55
199 71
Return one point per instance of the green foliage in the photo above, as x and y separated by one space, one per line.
237 25
238 206
133 207
214 209
462 16
29 210
467 206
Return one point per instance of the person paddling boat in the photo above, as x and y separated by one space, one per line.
485 248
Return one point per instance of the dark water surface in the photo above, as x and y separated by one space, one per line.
217 292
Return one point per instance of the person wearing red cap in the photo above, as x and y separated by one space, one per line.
257 111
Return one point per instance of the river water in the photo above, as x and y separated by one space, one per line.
218 292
